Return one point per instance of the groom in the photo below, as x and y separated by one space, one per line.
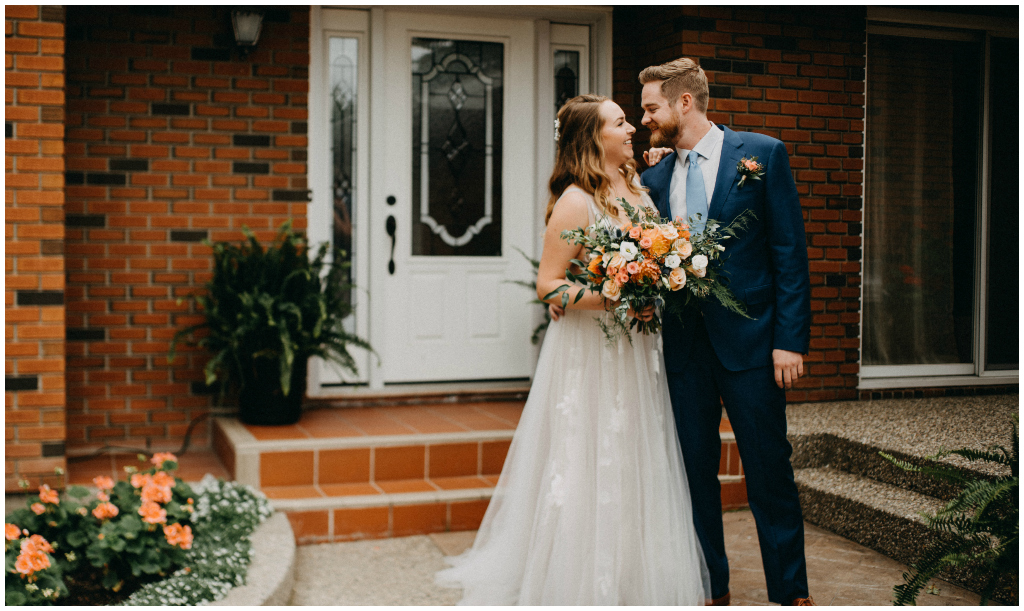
715 357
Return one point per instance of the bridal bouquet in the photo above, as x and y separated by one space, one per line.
638 264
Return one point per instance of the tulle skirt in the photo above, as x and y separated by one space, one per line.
592 506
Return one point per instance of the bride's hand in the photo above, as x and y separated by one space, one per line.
645 314
653 156
555 312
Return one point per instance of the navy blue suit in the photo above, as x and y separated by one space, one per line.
715 357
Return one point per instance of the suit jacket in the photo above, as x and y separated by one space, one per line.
766 266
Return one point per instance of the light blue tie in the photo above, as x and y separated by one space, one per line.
696 196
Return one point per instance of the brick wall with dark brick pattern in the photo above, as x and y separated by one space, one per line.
34 420
173 137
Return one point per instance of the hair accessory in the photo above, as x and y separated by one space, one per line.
557 125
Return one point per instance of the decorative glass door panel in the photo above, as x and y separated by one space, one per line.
344 62
567 77
456 162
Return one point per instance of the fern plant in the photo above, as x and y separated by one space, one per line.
267 310
979 528
533 287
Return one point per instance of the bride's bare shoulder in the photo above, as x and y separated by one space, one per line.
572 208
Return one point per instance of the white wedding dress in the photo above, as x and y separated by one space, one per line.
592 506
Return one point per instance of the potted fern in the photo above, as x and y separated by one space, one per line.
267 311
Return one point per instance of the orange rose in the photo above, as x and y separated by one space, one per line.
48 496
161 457
103 482
38 508
659 243
152 513
178 535
677 279
105 511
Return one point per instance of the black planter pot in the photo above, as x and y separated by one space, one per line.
261 401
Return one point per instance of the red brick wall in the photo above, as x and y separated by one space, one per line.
797 75
172 138
33 250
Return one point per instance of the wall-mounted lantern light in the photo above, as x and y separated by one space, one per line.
247 26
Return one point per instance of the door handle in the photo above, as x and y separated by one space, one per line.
390 226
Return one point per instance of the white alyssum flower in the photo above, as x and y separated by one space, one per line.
629 251
673 261
699 262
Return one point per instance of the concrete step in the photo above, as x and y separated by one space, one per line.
396 470
828 450
879 516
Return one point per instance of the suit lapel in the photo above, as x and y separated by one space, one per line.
660 182
727 174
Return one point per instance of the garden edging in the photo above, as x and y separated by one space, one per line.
271 573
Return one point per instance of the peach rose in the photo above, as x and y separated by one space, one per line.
161 457
105 511
669 231
750 164
178 535
38 508
48 496
683 247
645 243
676 279
699 273
634 233
622 278
615 264
103 482
611 290
11 531
152 513
632 267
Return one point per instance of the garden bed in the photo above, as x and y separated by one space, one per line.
150 540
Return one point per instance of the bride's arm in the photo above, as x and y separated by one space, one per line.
570 212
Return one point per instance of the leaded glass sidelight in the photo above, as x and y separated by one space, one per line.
567 77
457 136
343 97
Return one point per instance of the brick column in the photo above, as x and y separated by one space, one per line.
34 247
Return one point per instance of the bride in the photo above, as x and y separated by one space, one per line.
592 506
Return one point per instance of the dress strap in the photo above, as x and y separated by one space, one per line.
592 211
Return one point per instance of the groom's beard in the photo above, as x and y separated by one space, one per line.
666 134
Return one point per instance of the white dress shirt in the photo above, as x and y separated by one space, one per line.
710 150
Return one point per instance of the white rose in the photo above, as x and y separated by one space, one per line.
669 231
606 258
629 251
683 247
699 262
672 261
611 290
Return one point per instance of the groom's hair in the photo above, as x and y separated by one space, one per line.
677 77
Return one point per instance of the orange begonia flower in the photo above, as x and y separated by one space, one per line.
105 511
178 535
11 531
152 513
103 482
161 457
48 496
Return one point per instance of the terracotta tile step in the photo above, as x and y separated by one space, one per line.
321 514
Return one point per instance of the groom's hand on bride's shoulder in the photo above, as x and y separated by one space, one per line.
788 367
653 156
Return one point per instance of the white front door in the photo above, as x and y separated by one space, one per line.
452 197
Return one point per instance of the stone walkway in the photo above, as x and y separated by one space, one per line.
401 571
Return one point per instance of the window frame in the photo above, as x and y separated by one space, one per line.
944 26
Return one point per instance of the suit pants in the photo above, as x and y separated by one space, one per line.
757 412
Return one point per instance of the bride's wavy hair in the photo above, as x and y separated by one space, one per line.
579 159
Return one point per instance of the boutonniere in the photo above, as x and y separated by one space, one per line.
749 168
